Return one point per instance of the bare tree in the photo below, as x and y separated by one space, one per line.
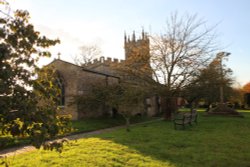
87 53
183 49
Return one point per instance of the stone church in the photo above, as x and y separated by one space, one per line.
77 80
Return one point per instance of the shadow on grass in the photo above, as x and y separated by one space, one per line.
91 124
79 126
215 141
9 141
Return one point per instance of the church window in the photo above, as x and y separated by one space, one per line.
61 86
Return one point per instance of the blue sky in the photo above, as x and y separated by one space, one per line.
103 22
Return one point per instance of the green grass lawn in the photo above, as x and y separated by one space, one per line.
79 126
215 141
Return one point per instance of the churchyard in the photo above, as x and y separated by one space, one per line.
214 141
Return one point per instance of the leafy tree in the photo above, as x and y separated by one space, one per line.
94 100
237 97
246 92
246 88
206 84
125 98
28 95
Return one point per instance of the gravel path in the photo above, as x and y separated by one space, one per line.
23 149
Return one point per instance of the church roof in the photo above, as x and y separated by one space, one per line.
85 69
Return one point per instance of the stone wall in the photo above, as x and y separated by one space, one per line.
77 82
69 73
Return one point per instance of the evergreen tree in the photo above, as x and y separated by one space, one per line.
28 94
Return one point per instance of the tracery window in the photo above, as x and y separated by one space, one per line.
61 86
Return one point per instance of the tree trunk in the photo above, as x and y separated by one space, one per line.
170 107
127 124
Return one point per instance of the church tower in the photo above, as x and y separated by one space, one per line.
137 48
137 54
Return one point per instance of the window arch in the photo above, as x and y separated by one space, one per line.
61 85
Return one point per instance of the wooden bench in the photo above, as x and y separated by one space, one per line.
186 118
193 116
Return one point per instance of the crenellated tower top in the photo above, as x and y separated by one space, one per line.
140 45
137 53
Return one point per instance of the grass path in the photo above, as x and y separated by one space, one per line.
27 148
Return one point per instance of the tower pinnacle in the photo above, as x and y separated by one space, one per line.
125 37
133 38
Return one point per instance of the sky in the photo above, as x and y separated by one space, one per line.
103 22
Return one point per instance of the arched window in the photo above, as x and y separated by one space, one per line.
61 86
